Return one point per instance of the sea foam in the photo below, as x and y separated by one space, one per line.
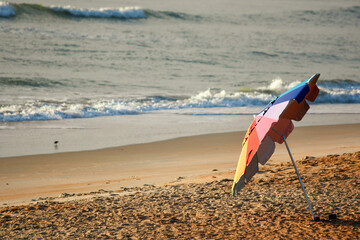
9 10
331 91
122 13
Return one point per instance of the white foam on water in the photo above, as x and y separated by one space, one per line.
331 92
123 13
277 85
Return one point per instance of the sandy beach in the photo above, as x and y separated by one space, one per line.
181 188
126 119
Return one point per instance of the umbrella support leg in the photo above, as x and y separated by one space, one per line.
298 174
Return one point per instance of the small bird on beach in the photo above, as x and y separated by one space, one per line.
56 144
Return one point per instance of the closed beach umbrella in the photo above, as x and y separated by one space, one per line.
273 124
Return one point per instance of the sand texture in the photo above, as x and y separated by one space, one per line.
271 206
25 178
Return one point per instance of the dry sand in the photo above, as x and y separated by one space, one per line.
270 207
102 194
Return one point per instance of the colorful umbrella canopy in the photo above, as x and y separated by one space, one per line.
272 124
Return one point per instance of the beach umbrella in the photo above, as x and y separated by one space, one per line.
274 124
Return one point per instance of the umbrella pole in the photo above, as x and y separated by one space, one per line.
298 174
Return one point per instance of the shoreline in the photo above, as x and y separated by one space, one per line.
184 159
83 134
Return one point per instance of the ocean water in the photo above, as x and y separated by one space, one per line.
78 60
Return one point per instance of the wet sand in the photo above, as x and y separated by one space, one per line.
25 179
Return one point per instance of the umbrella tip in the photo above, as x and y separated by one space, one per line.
313 79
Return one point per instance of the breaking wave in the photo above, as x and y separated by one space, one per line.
331 92
8 10
11 10
342 16
120 13
339 91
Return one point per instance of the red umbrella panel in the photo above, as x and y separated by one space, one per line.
272 124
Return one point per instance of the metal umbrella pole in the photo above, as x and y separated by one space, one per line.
298 174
